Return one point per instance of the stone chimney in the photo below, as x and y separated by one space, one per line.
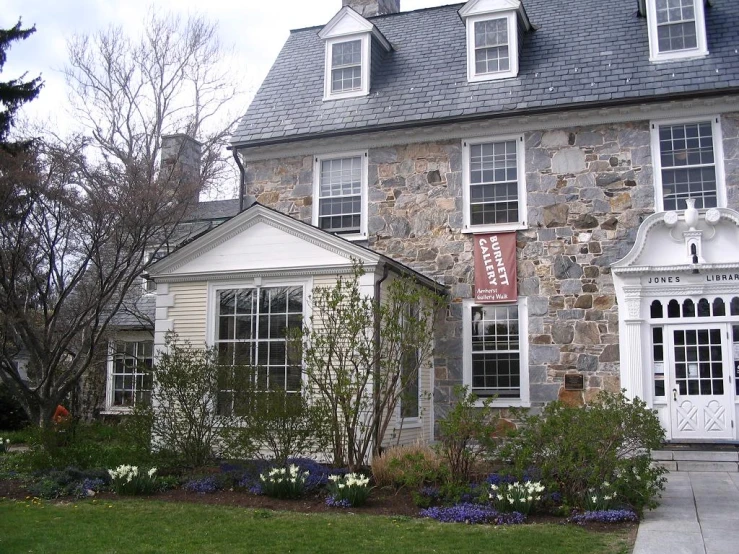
368 8
184 153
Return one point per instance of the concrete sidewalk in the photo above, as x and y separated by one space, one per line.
698 514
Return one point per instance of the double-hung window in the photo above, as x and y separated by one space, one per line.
676 29
340 193
129 373
347 67
492 46
495 192
252 337
687 160
495 362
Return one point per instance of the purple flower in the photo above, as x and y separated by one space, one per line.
333 503
471 514
205 485
604 516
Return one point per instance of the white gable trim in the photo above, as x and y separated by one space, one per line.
487 7
240 223
346 23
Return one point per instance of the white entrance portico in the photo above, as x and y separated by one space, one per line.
678 293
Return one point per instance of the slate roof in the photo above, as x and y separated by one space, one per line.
215 210
583 53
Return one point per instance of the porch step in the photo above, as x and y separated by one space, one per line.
692 458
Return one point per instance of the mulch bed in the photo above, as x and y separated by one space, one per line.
382 502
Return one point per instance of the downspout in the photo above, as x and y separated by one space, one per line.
376 375
242 179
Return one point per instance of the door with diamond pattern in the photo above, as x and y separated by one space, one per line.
700 393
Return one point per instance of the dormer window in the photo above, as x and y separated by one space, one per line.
346 66
351 42
493 38
677 29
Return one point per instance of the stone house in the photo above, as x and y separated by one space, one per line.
596 143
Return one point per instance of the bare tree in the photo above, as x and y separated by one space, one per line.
173 78
74 238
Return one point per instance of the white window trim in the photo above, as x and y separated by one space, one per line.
133 336
211 312
366 47
700 31
363 231
718 154
510 16
523 331
467 227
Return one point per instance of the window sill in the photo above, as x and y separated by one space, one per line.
410 423
492 77
345 95
117 411
504 403
679 56
472 229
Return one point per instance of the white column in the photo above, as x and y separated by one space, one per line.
632 359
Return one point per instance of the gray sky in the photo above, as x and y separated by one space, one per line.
256 29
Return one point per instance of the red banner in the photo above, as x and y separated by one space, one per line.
495 268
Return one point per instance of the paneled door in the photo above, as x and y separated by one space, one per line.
700 391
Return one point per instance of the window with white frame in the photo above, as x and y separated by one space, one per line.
410 377
252 336
129 373
347 67
687 160
676 29
496 361
495 193
340 190
492 47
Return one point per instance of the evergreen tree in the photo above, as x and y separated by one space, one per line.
16 92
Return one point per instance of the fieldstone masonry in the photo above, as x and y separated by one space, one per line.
588 190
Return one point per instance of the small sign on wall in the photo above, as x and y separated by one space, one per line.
495 268
574 381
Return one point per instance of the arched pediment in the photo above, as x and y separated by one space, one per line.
665 240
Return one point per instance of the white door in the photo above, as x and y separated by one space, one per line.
700 382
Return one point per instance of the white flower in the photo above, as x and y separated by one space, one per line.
606 484
500 497
334 478
342 485
494 487
607 497
594 498
151 472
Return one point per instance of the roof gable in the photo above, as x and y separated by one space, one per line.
482 7
261 240
347 22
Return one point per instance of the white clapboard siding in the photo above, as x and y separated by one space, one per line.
189 311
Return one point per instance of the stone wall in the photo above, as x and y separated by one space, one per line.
588 191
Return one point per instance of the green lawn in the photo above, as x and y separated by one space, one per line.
150 526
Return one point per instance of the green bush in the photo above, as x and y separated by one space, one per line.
12 415
468 434
579 449
352 489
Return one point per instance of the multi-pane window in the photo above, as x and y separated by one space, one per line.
496 351
346 66
688 165
252 337
676 25
130 373
493 183
491 46
410 374
340 195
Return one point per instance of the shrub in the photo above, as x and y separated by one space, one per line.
409 466
192 417
279 425
283 482
577 449
352 489
129 480
12 415
467 434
